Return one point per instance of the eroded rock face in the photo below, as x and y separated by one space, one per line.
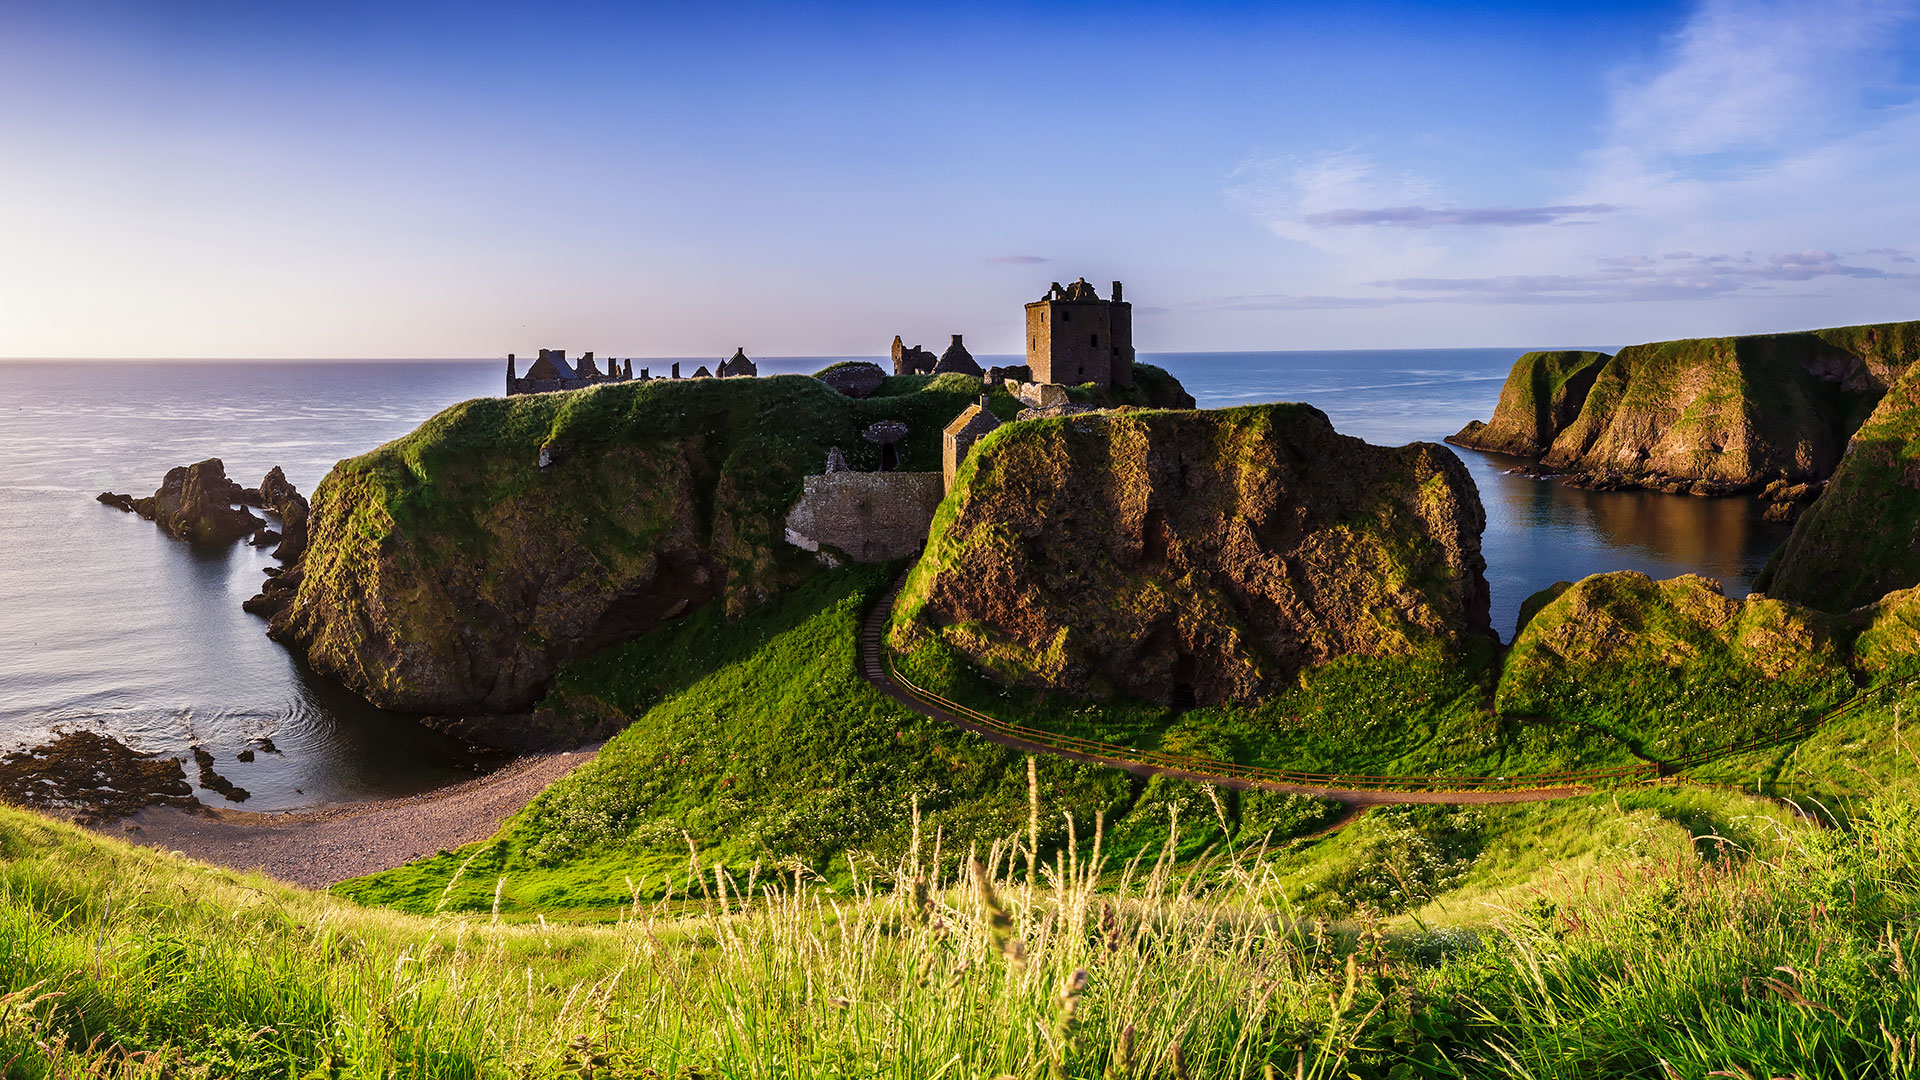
194 503
280 496
1703 416
1219 553
418 619
1542 395
1861 538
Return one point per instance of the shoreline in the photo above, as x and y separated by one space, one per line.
319 848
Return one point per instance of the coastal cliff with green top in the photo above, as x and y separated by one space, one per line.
1213 555
1701 415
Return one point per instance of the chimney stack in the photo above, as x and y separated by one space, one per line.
1116 292
676 371
510 373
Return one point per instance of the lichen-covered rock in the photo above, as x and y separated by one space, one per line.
1542 395
1221 553
1705 416
450 571
1861 538
1611 632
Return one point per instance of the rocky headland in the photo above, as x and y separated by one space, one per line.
1769 413
1213 554
451 571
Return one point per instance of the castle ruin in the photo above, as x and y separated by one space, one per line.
552 372
1074 337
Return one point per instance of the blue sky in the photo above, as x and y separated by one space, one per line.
209 179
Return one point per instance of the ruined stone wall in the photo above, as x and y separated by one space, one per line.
871 517
1120 326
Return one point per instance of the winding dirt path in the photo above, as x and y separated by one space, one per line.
875 670
320 847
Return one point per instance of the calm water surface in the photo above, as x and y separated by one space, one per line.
106 622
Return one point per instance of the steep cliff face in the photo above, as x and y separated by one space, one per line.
1542 395
1861 539
1706 415
453 569
1217 553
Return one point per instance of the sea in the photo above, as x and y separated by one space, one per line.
109 625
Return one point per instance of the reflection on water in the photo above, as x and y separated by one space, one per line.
1538 531
107 624
1541 531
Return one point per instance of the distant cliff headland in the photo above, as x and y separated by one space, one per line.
1769 414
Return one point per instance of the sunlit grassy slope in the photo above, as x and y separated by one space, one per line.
1596 938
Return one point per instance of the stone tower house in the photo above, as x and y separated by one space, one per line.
972 425
1075 337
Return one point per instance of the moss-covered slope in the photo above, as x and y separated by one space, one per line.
454 568
1706 415
1861 539
1221 552
1542 395
1673 666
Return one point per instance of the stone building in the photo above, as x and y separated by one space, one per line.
738 365
911 360
1075 337
552 372
972 425
957 358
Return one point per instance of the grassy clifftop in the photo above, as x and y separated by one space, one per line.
1674 667
454 568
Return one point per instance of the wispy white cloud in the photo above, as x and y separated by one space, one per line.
1742 75
1426 217
1020 260
1777 135
1639 278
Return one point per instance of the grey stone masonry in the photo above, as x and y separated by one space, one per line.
869 517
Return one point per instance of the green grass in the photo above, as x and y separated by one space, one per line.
1600 937
1428 713
757 740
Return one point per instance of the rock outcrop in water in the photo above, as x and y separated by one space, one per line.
280 496
1215 554
1706 416
195 503
1861 540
